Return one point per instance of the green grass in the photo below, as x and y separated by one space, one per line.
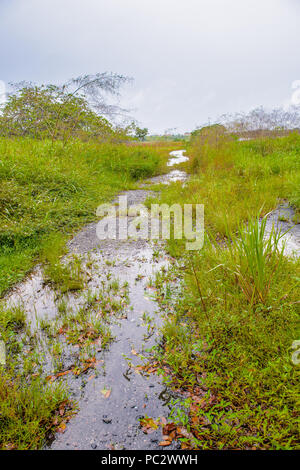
228 338
237 179
63 275
27 412
31 406
48 190
28 405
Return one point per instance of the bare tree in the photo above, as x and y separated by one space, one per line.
95 90
260 122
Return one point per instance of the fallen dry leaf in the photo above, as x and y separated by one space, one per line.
163 421
149 425
51 378
106 392
165 443
61 428
168 428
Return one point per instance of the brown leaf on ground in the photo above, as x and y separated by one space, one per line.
163 421
186 446
90 363
168 428
149 425
165 443
51 378
61 428
106 392
151 370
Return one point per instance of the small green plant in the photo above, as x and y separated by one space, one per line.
27 411
257 257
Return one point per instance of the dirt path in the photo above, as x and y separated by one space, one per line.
113 421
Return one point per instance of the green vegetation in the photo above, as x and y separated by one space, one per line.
228 338
76 109
32 403
27 412
60 158
29 407
49 188
235 180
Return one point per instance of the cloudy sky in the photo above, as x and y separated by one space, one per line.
191 60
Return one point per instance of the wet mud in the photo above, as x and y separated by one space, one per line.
112 420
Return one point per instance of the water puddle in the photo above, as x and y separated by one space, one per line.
171 177
110 420
177 157
281 219
113 422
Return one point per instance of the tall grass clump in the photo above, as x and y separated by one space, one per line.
137 162
27 411
257 257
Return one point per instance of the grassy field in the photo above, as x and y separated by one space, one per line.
228 338
47 191
236 180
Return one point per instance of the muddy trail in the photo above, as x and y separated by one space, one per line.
116 393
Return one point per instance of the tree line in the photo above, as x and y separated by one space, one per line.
77 109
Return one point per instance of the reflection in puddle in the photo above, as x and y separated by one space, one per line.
177 157
115 419
281 219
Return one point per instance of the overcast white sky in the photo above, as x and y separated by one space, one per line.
190 59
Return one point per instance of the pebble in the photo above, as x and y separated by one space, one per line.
107 420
